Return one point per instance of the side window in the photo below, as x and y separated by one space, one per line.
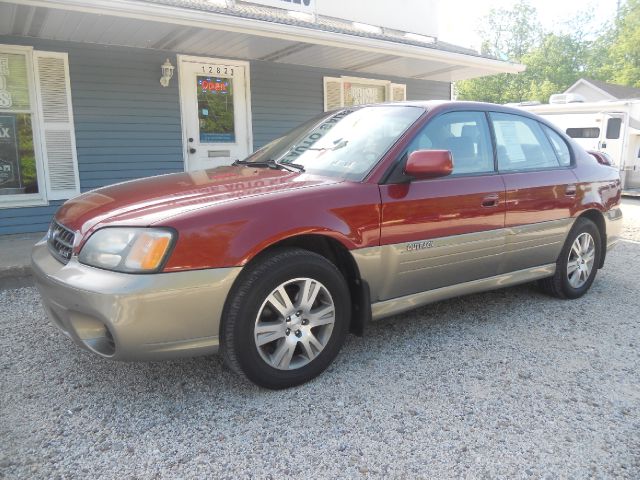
465 135
613 128
583 132
521 144
559 145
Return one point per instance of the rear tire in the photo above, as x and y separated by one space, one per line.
578 262
286 319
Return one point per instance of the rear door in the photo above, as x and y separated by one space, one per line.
450 230
535 163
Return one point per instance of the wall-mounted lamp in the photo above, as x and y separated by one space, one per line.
167 73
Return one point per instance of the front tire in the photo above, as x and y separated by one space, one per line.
578 262
286 319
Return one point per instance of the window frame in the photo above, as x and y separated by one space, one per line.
40 198
395 172
525 170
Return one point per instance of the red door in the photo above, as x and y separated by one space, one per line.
450 230
535 163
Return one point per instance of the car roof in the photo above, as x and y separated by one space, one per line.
435 107
440 106
459 105
450 105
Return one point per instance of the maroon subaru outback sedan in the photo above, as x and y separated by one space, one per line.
356 215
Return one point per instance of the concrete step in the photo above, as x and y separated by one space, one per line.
15 259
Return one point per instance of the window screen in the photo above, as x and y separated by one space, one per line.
613 128
521 143
465 135
559 146
584 132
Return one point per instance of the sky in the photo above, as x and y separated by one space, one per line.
461 28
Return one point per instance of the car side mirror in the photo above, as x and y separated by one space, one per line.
429 164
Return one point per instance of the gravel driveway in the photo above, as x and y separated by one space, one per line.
508 384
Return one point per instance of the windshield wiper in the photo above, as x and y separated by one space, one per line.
291 167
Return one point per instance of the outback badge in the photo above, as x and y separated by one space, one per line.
411 247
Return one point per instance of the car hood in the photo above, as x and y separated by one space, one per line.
151 200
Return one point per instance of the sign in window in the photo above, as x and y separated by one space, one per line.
215 109
362 93
18 174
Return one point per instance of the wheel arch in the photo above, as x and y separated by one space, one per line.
339 255
597 217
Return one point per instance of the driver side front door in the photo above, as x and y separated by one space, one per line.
450 230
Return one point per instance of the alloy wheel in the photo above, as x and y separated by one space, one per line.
294 323
581 259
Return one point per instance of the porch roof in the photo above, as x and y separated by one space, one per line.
248 32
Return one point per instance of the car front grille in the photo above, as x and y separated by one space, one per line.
60 241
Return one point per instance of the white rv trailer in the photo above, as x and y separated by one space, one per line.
612 127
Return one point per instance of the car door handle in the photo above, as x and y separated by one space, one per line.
491 200
570 190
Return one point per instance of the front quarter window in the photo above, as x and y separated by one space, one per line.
345 144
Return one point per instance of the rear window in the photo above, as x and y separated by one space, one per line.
584 132
521 144
559 146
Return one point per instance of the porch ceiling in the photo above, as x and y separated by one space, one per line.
126 23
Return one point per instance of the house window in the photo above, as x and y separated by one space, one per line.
18 165
349 91
37 143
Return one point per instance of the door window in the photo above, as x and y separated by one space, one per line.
18 169
465 135
215 109
559 146
613 128
521 143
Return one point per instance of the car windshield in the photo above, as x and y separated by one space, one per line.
345 144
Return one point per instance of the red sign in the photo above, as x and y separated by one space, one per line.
217 85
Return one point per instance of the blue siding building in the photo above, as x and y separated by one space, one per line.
81 104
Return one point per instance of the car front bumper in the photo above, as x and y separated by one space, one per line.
133 316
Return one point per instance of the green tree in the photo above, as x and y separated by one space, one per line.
554 61
507 34
555 65
623 65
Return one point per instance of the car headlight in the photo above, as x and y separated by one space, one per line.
129 250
